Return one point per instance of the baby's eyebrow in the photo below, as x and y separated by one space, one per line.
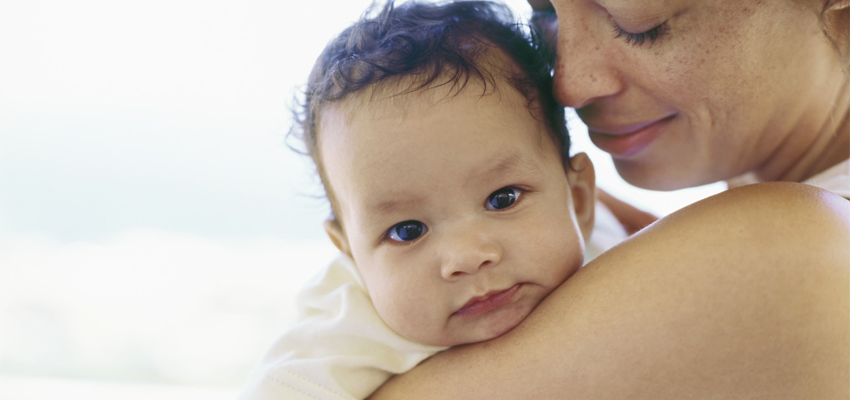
388 206
502 165
512 161
376 214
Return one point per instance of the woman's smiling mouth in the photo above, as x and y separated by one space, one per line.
492 300
626 140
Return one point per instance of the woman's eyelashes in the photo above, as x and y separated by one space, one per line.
638 39
406 231
502 198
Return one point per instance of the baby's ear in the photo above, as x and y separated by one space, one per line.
334 231
582 179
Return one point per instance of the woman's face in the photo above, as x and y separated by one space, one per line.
689 92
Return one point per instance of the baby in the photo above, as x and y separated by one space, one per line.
445 159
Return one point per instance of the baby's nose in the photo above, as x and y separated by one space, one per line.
467 251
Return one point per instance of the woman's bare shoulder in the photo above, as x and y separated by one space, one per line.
744 294
775 203
765 220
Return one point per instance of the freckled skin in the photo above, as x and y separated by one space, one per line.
754 87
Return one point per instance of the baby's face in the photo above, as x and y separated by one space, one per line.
457 211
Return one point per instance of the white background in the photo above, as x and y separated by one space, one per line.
153 225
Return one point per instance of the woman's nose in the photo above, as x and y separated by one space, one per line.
467 251
584 70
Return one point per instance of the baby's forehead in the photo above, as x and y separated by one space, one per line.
392 104
399 96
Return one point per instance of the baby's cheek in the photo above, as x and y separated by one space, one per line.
562 255
402 310
406 297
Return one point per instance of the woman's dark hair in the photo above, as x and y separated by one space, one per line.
436 44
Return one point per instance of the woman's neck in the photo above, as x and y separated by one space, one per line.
831 144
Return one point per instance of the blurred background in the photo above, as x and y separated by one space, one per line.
154 226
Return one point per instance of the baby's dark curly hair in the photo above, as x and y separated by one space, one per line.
421 45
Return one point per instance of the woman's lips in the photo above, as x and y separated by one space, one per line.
482 304
627 140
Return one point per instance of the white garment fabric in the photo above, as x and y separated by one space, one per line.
835 179
340 348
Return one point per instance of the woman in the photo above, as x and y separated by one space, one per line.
745 294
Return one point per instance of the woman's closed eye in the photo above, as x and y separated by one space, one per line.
638 39
406 231
503 198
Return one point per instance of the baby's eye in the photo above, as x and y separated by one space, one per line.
406 231
502 198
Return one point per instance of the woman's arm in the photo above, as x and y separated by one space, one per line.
742 295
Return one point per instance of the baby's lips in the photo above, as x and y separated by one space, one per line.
493 299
